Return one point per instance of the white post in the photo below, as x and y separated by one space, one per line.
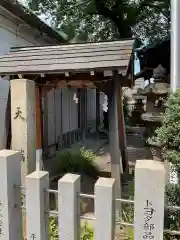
69 207
105 209
23 120
175 48
36 204
10 197
149 200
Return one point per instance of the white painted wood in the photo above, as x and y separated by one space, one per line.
36 204
69 207
149 200
10 217
23 99
105 209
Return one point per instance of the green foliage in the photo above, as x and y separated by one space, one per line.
53 229
126 112
168 138
172 217
95 20
81 162
168 135
86 231
130 231
128 211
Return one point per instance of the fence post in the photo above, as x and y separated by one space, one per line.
149 200
36 204
69 207
10 198
105 209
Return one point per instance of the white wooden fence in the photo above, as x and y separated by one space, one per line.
149 202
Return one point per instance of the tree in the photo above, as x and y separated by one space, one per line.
168 135
95 20
168 138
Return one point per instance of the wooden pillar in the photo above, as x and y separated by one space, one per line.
39 164
45 120
8 121
116 165
83 109
23 119
97 108
122 126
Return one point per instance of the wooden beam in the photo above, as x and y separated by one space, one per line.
38 130
45 120
78 77
38 120
121 125
8 122
108 73
116 166
97 109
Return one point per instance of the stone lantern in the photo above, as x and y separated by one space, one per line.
156 94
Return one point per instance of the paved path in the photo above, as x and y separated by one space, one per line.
135 148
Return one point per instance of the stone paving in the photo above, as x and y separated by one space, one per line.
136 150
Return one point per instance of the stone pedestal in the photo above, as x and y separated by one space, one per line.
23 111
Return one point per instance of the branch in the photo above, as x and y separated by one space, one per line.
116 15
105 11
151 5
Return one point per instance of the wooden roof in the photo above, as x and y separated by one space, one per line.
75 58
